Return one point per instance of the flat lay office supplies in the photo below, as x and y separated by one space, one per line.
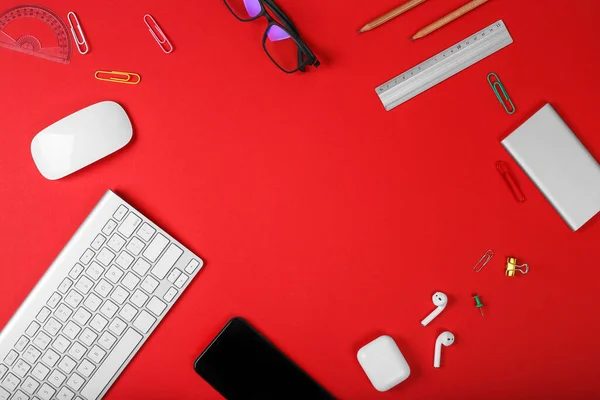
240 363
129 78
446 339
501 93
512 266
511 182
391 15
444 65
281 40
79 38
27 29
384 363
558 164
97 304
440 300
81 139
483 261
478 304
158 34
448 18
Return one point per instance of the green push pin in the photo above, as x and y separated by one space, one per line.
478 304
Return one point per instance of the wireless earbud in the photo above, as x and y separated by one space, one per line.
446 339
440 300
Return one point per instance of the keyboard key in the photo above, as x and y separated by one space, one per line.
107 340
46 392
130 224
77 351
94 271
88 336
92 302
105 256
73 299
141 267
65 394
30 385
109 227
43 314
130 281
76 271
71 330
21 368
167 261
117 326
40 371
174 275
139 298
96 354
81 316
149 284
10 382
156 247
50 358
113 362
135 246
103 288
54 300
146 232
98 242
67 364
4 395
128 312
52 326
3 370
119 295
98 323
181 280
192 265
61 344
32 328
31 355
56 378
156 306
11 357
65 285
120 213
21 343
19 395
170 295
84 285
114 274
63 313
42 340
116 242
109 309
75 382
86 368
87 257
124 260
144 321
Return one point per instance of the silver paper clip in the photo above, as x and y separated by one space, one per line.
155 30
78 43
485 258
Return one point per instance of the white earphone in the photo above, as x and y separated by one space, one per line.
440 300
446 339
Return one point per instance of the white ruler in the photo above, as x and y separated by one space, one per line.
443 65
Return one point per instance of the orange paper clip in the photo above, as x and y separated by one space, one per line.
502 168
129 78
158 34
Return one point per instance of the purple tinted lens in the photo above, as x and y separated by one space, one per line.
276 33
253 7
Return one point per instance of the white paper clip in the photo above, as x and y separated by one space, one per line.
78 43
155 30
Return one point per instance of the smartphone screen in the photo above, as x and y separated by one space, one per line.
242 364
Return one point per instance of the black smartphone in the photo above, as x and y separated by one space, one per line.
240 363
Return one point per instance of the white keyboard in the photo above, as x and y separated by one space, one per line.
94 308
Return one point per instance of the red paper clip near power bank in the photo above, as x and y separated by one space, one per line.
510 181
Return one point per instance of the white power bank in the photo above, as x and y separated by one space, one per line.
559 165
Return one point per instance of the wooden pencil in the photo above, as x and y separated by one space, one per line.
391 15
448 18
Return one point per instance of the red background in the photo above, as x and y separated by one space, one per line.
324 220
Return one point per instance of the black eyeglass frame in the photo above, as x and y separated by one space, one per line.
305 55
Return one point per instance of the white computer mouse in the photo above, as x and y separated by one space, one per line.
80 139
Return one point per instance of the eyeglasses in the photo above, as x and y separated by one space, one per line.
281 40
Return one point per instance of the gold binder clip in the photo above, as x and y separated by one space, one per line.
129 78
512 267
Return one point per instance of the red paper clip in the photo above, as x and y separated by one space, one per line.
158 34
510 181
